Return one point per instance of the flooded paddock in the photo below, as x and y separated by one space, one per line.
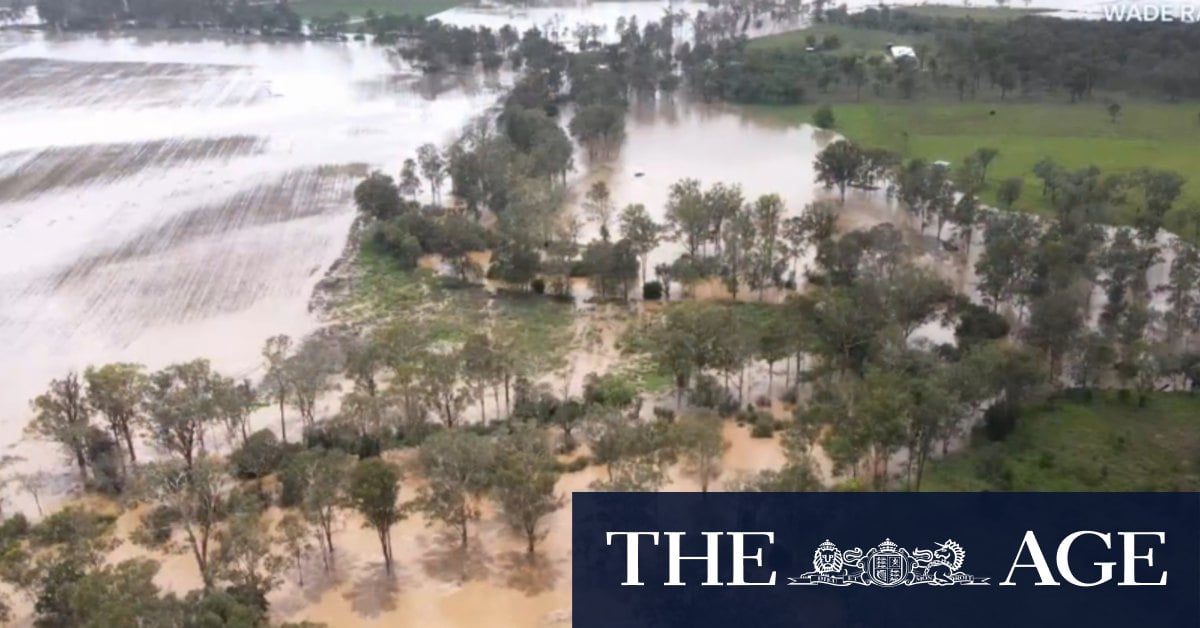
165 196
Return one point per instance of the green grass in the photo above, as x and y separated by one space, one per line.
853 40
1105 445
1080 135
358 8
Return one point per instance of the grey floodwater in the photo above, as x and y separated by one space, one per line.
166 197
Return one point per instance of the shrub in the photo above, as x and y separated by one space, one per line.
763 429
538 285
663 413
13 529
709 393
293 481
578 464
762 401
158 522
259 457
823 117
791 396
1000 420
652 290
70 525
107 462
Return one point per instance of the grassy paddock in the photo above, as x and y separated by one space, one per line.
358 8
1104 445
1076 135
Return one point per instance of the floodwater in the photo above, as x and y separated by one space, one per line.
166 197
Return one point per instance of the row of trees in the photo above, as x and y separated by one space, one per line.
267 18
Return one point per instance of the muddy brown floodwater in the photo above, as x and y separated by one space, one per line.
165 197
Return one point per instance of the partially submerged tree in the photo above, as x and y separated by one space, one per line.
62 415
525 474
373 490
458 467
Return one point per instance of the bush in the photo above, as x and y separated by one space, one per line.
709 393
259 457
158 523
1000 420
791 396
578 464
728 408
823 117
538 285
664 414
762 401
70 525
763 429
12 530
652 290
293 481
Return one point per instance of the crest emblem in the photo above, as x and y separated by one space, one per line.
888 565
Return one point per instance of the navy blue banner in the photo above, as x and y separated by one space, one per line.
928 560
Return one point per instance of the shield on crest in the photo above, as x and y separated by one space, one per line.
887 566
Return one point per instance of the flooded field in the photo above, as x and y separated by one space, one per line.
169 197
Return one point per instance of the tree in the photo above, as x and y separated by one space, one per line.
481 368
687 215
701 447
642 233
433 168
115 392
325 476
838 165
377 197
523 482
278 380
309 372
374 487
198 493
234 402
117 595
244 555
457 465
181 402
768 211
440 384
293 534
1114 111
62 415
1009 191
823 117
410 183
984 157
599 206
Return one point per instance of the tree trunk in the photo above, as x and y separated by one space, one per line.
81 462
128 434
282 424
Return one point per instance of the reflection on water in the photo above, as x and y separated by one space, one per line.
670 140
168 196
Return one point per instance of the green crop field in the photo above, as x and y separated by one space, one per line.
1104 445
1076 135
358 8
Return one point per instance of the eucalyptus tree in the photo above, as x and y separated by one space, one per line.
373 490
309 372
523 482
687 216
768 214
115 392
642 233
433 168
62 415
277 380
199 493
701 447
457 465
181 404
838 165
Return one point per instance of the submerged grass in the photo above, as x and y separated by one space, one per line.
385 293
1103 445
